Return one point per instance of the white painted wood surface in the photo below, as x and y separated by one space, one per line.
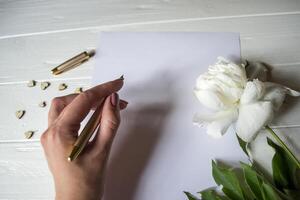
36 35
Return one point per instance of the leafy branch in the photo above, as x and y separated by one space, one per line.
254 185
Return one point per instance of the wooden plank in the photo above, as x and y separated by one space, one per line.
270 39
24 172
33 57
36 17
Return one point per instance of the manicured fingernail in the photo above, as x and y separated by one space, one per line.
114 99
120 79
123 101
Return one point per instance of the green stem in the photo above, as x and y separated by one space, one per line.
283 145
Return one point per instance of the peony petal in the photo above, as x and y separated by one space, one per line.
253 92
217 123
222 86
211 99
200 118
231 93
251 119
291 92
206 83
218 128
276 93
232 68
228 79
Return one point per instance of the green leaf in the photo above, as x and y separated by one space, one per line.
293 194
243 144
190 196
284 168
268 192
229 181
297 178
281 172
211 195
252 180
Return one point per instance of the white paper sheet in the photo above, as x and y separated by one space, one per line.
158 152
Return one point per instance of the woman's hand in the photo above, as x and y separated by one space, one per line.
84 177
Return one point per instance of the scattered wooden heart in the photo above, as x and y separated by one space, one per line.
31 83
20 113
78 90
28 134
45 85
42 104
62 86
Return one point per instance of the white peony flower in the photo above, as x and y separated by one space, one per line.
225 90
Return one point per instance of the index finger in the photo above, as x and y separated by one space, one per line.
78 109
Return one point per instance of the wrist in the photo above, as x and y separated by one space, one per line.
77 193
77 196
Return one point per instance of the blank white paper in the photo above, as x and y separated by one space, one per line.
158 153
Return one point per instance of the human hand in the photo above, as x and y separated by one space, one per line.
84 177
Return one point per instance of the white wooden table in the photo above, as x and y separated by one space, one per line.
37 35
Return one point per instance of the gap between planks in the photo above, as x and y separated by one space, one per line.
50 80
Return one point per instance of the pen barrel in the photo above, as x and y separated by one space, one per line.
86 134
89 128
71 63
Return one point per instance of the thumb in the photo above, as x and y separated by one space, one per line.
109 125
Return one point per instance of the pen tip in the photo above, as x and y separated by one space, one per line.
69 159
122 77
92 53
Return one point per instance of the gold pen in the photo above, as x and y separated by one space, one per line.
73 62
86 133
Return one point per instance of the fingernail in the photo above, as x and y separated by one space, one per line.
114 99
123 101
120 79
